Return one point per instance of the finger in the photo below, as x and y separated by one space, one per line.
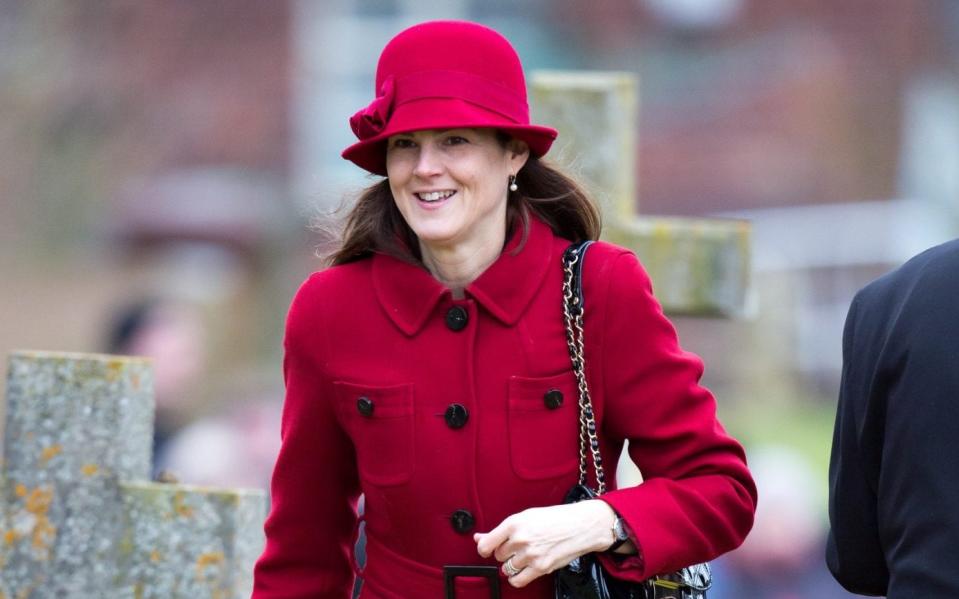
519 565
504 551
505 567
527 575
493 539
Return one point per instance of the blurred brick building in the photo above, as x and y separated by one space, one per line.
132 128
145 150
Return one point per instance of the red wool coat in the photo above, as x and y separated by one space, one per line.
444 414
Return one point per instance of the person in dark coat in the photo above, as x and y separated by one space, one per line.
428 367
893 482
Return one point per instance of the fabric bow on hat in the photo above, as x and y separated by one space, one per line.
369 121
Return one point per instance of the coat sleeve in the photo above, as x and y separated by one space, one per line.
853 552
698 498
314 490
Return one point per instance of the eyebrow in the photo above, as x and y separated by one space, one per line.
438 131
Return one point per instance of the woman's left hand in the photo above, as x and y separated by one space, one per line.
543 539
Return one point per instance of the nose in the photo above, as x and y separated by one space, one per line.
427 161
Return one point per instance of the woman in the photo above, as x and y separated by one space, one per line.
428 368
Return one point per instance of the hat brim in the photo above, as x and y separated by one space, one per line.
442 113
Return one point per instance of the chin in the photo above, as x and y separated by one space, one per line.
435 234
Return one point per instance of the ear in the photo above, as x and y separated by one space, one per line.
518 153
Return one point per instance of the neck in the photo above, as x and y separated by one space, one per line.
456 266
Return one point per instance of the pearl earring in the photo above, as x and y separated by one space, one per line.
512 183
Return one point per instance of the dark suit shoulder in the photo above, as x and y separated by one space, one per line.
932 276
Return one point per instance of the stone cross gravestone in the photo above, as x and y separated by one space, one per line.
79 518
698 266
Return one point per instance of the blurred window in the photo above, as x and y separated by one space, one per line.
486 8
376 8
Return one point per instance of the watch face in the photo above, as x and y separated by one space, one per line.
619 529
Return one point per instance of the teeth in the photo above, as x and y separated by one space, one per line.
434 196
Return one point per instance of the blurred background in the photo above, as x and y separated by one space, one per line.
161 162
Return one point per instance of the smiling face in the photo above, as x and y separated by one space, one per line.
450 185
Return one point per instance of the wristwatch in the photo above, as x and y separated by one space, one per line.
619 534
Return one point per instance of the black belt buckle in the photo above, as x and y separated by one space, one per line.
450 573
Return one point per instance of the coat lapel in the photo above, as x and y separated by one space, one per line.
408 293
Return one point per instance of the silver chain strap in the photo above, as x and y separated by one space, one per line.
573 315
691 582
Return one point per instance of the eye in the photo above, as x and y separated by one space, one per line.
455 140
402 143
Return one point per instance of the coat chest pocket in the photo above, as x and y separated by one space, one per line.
379 419
543 426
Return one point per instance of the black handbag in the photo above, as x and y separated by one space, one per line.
584 577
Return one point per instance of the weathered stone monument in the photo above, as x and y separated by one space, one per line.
79 518
698 266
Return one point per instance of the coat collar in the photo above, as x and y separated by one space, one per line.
408 293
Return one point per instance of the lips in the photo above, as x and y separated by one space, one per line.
434 196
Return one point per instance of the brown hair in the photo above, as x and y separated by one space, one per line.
376 225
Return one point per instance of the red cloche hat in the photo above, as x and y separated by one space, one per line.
445 75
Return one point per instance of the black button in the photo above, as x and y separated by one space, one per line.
456 415
462 521
456 318
365 406
553 399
